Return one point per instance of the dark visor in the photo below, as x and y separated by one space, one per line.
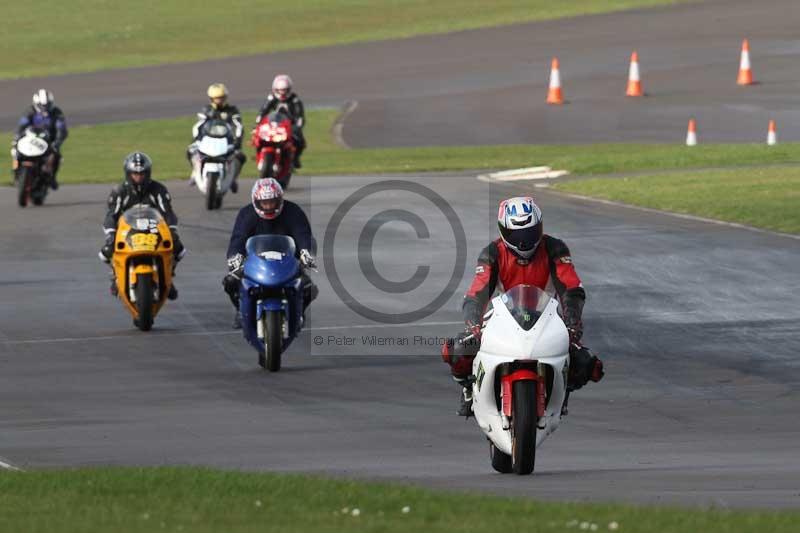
269 205
524 239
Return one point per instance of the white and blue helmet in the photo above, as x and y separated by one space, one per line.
520 222
42 100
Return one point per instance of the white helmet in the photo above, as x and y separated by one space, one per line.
42 100
520 222
282 87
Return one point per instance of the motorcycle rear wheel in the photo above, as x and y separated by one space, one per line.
144 303
501 462
273 340
523 427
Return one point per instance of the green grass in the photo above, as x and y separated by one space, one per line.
760 194
200 500
86 35
763 197
94 154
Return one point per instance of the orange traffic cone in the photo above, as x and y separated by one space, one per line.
634 81
772 134
554 95
745 74
691 133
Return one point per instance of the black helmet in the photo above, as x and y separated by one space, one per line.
137 163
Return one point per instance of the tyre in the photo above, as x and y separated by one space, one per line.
24 179
285 181
266 170
211 193
273 340
501 462
38 200
144 303
523 427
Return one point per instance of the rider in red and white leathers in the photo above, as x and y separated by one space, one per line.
523 255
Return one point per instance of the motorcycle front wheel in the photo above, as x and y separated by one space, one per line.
273 340
523 427
211 193
266 170
24 181
144 303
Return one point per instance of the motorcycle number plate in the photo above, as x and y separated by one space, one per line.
272 256
144 241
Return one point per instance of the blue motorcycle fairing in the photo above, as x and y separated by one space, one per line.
271 263
271 260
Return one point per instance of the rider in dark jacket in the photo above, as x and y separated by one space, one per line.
139 188
282 96
219 108
46 115
523 255
268 214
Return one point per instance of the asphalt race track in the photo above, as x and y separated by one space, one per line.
489 86
697 322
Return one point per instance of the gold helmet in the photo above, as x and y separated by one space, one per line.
218 94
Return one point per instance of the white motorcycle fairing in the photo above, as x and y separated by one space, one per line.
505 341
30 145
204 171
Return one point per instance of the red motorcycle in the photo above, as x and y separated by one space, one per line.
275 149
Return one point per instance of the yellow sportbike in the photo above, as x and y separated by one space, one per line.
143 263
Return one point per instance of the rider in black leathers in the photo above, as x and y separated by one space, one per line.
139 188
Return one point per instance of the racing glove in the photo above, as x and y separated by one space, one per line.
108 249
307 260
573 310
474 329
178 249
234 276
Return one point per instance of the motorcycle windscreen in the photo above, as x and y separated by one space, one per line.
525 303
260 244
216 128
142 217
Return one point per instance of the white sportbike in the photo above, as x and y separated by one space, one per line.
214 164
520 376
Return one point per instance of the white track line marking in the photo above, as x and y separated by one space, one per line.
9 466
338 124
224 332
523 174
694 218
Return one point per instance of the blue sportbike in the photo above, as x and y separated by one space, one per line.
271 297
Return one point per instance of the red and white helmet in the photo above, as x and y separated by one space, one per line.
282 87
267 197
520 223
